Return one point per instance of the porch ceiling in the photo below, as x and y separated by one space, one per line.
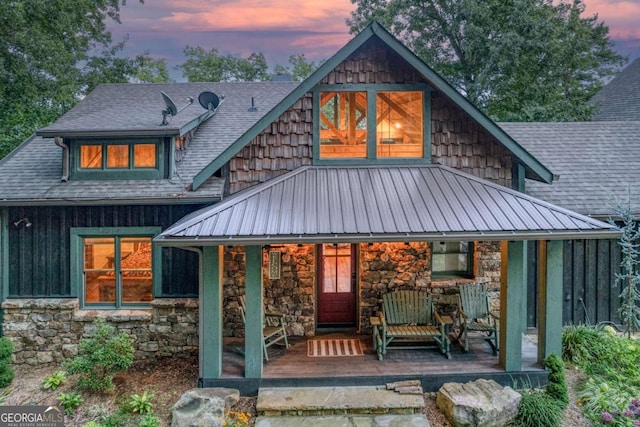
364 204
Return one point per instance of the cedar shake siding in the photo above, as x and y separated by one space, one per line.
457 140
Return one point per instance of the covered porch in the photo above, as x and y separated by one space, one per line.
363 205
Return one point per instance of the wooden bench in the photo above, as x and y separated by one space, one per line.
409 317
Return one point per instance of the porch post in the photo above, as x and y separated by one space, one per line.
550 299
253 326
210 314
512 294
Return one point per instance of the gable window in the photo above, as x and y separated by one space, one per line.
385 123
114 268
451 260
118 159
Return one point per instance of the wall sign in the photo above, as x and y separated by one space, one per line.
274 264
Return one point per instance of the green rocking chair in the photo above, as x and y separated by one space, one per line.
273 330
476 317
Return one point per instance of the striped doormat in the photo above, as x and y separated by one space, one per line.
334 348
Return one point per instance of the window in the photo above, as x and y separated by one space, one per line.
118 159
113 268
372 122
452 259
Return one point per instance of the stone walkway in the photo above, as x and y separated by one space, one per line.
339 406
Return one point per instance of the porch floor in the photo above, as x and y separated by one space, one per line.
294 362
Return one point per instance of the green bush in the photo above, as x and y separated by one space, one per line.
55 380
538 409
149 421
583 344
557 387
70 401
141 403
6 369
100 356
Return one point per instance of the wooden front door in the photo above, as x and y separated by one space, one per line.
336 284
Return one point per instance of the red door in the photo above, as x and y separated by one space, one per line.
336 285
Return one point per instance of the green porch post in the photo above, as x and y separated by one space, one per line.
210 295
512 295
253 323
550 299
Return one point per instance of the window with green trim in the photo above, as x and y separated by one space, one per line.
114 268
141 158
451 260
372 122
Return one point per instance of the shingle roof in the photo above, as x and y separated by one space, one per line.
598 163
325 204
620 98
32 172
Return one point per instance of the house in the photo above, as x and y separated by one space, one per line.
597 170
373 174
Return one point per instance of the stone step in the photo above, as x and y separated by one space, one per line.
356 400
413 420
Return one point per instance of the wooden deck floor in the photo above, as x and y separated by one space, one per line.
294 362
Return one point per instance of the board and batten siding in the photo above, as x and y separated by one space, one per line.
457 140
589 290
39 264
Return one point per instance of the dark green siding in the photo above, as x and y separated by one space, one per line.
590 294
39 255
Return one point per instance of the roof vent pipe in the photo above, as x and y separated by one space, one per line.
65 158
253 107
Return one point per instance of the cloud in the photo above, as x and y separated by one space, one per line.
621 16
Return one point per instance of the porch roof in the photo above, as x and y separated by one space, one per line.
363 204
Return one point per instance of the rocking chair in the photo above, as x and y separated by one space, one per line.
475 316
273 330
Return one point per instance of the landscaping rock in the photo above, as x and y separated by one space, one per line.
481 403
203 407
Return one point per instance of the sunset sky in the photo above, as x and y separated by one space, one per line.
279 28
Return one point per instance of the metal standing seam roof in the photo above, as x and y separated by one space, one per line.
329 204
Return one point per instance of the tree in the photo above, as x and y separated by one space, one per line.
211 66
629 278
525 60
300 69
47 61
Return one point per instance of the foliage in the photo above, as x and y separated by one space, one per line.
51 54
141 403
629 279
6 369
300 68
557 387
92 423
203 66
583 344
70 401
530 60
538 409
236 419
100 356
55 380
149 421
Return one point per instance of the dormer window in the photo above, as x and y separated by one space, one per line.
118 159
372 123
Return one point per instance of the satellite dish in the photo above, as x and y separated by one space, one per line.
209 100
171 109
171 106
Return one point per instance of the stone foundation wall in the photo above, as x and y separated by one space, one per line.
48 330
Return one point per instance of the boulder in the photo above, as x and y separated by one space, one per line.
481 403
203 407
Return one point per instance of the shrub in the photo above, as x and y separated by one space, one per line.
100 356
149 421
557 387
538 409
6 370
141 403
582 344
55 380
70 401
92 423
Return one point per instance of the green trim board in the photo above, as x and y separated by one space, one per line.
536 168
550 291
77 235
512 297
254 316
210 311
4 256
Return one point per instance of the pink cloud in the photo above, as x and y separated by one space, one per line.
620 16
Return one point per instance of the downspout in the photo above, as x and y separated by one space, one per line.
65 158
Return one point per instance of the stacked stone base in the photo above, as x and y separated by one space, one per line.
49 330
